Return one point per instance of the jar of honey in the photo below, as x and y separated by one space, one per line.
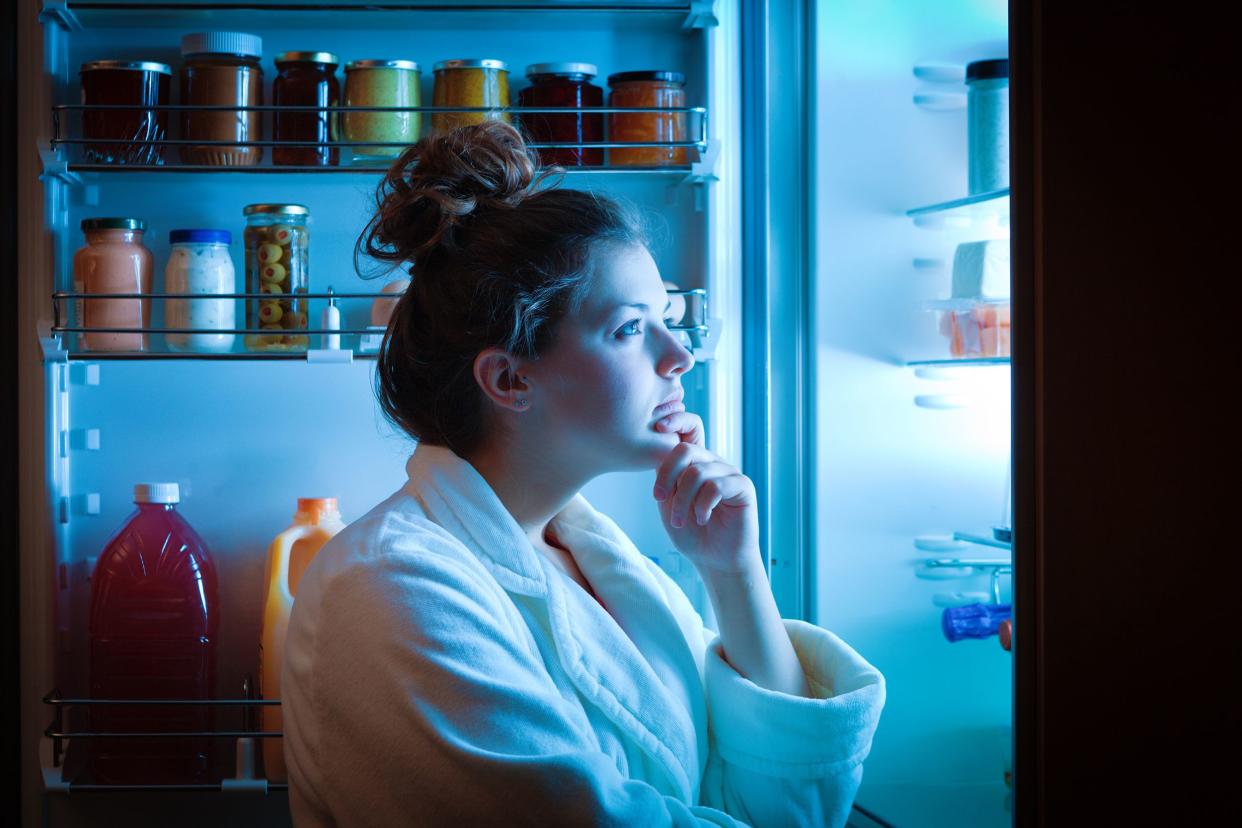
474 82
306 79
648 89
563 85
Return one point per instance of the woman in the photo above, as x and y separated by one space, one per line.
484 647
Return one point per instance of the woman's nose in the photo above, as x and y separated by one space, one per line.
677 359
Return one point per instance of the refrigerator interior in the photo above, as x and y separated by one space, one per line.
910 451
245 437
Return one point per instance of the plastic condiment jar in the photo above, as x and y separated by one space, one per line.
200 264
564 85
648 89
316 521
987 116
222 69
472 82
114 260
381 83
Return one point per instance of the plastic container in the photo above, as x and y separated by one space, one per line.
987 116
976 328
222 69
277 245
974 620
473 82
564 85
314 524
200 264
305 79
114 260
381 83
153 620
125 136
648 89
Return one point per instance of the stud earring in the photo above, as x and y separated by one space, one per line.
521 403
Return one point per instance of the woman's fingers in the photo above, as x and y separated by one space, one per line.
686 424
690 485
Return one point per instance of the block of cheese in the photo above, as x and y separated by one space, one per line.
981 270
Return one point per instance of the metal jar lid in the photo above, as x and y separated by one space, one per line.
588 69
133 65
276 209
113 224
381 64
308 57
471 63
648 75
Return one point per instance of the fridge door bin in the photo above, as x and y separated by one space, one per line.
975 328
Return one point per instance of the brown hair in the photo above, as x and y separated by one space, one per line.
495 261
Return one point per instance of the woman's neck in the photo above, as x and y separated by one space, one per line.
533 487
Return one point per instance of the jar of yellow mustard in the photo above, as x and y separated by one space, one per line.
474 82
386 83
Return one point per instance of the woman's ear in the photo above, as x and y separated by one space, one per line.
498 374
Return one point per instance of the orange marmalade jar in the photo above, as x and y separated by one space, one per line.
643 89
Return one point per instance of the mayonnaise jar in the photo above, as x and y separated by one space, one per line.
200 264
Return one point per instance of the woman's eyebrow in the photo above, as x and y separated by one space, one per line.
641 306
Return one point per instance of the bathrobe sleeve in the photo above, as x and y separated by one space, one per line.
434 708
780 760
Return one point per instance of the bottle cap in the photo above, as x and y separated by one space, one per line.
113 224
382 64
588 69
987 69
157 493
276 209
649 75
471 63
316 507
221 43
308 57
131 65
200 237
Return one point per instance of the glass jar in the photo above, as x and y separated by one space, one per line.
114 260
126 136
305 79
648 89
200 264
469 83
277 264
987 117
381 83
567 85
222 69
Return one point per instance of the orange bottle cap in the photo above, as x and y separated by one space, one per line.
315 507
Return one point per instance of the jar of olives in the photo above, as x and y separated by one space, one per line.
276 244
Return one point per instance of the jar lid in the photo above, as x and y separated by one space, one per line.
471 63
200 237
308 57
221 43
135 65
157 493
588 69
381 64
648 75
276 209
113 224
987 69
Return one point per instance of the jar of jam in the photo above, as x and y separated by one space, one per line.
648 89
136 134
222 69
114 260
469 83
381 83
277 265
305 79
563 85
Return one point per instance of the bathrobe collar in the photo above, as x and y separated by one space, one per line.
654 700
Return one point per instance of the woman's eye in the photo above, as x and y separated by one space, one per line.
631 328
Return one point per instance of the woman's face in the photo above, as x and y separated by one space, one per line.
614 362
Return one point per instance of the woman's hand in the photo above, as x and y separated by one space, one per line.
708 506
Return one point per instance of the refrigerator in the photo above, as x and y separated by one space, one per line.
812 235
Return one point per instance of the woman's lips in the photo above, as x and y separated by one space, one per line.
666 408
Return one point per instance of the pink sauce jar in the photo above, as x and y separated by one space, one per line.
114 260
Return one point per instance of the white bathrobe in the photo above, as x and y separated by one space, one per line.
440 671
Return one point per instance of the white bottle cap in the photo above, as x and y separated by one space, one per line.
157 493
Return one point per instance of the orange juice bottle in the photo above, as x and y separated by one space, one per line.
314 524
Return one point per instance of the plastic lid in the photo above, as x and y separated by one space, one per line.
113 224
276 209
651 75
471 63
308 57
381 64
221 43
136 65
157 493
200 237
588 69
987 69
316 507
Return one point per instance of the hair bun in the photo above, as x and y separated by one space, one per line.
442 181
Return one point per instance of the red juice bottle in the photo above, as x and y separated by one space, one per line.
153 622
